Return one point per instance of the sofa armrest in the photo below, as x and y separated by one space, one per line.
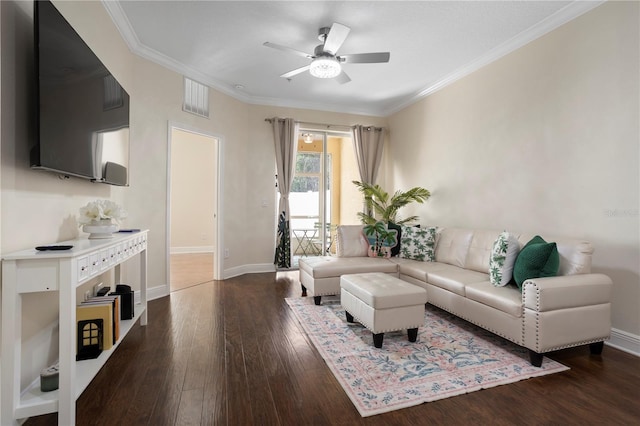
566 291
565 311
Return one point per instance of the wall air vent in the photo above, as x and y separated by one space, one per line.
196 98
112 93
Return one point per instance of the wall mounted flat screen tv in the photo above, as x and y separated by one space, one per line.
82 110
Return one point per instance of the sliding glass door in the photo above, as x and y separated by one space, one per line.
310 196
322 195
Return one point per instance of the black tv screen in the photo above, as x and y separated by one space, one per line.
83 112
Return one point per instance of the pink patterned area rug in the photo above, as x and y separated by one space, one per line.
451 357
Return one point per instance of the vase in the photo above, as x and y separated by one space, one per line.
101 228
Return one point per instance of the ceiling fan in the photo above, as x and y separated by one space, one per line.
325 62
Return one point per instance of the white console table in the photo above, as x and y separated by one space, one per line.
31 271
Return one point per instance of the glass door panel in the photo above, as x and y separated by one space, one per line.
322 195
305 198
305 213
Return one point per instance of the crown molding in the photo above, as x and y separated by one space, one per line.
278 102
561 17
122 24
131 39
128 34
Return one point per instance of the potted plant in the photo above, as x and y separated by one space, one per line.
380 239
380 206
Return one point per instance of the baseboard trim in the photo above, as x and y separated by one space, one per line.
624 341
163 290
248 269
186 250
152 293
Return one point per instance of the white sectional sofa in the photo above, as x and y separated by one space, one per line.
545 314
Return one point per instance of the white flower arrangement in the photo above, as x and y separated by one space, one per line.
101 210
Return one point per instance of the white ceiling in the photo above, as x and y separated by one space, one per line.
432 43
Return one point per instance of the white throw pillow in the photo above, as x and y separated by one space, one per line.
351 241
418 243
503 256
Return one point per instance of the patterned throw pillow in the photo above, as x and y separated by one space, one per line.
503 257
418 243
395 250
537 259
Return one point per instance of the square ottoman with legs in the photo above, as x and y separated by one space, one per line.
383 303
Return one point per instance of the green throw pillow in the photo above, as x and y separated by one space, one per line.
537 259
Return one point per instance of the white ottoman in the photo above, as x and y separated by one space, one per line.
321 275
383 303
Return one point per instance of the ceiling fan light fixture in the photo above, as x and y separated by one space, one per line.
325 67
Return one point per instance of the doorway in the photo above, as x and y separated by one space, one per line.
322 195
193 198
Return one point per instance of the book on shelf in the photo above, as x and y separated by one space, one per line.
126 301
103 311
115 321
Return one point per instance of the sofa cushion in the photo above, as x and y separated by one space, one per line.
503 256
418 269
453 246
418 243
331 266
575 255
350 241
506 299
455 279
479 252
537 259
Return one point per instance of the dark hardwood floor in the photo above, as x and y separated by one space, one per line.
232 353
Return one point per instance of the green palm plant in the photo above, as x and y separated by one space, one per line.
380 205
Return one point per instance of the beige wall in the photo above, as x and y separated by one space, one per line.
193 196
352 200
38 208
544 140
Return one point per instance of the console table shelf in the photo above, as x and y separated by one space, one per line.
31 271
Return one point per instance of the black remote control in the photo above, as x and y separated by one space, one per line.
61 247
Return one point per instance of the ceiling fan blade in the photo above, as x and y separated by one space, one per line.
295 72
288 49
343 78
366 58
337 35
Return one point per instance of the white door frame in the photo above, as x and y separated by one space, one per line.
218 219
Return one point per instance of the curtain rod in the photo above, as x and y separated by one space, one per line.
328 126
